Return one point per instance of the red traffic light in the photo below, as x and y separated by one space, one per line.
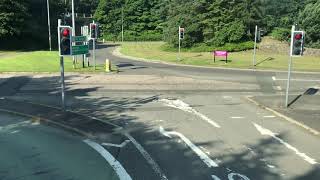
93 26
66 32
298 36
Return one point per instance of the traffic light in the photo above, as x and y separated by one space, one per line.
181 33
65 40
93 31
297 43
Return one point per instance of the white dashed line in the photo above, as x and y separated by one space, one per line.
269 116
237 117
274 78
117 145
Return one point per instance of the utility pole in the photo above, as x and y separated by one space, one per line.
122 24
49 26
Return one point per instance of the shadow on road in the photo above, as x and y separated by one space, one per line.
176 159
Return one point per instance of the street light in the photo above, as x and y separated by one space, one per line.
49 27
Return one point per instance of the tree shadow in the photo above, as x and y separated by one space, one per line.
176 159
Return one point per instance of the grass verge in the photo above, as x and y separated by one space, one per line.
264 60
40 61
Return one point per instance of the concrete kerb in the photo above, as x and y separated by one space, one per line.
116 52
295 122
48 121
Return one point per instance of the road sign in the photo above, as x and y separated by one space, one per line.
79 39
80 49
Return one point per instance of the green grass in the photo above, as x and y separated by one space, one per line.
154 51
39 61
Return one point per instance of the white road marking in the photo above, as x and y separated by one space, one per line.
269 116
209 162
13 126
124 143
214 177
267 132
237 117
243 177
178 104
305 80
271 166
277 88
147 157
121 172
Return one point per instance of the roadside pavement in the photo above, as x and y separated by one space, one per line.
304 109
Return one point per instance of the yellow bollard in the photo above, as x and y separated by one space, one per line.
108 65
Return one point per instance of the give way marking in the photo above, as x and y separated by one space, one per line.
178 104
267 132
209 162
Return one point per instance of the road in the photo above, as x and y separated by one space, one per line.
186 122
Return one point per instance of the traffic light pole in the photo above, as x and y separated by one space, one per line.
73 31
255 48
289 68
94 53
179 44
62 84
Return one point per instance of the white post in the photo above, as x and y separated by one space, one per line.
49 26
122 24
73 29
255 47
289 68
62 72
179 44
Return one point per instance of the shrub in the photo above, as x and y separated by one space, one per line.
281 34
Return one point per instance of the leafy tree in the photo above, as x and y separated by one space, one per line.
13 14
310 21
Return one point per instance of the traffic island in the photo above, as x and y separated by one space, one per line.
304 112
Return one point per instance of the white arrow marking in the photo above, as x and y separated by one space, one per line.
178 104
117 145
267 132
209 162
121 172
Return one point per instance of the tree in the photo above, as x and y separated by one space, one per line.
310 22
13 14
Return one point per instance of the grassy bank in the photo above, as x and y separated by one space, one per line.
154 51
38 61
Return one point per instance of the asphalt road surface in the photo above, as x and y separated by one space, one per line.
181 122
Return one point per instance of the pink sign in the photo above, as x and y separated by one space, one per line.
220 53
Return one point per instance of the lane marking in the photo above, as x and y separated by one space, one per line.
13 126
214 177
305 80
277 88
124 143
147 157
178 104
203 156
121 172
269 116
267 132
237 117
243 177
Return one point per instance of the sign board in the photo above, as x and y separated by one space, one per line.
79 38
80 49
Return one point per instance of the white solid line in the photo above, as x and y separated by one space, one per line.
124 143
203 156
178 104
13 126
237 117
305 80
267 132
147 157
121 172
274 78
269 116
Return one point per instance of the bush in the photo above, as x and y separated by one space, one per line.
230 47
281 34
